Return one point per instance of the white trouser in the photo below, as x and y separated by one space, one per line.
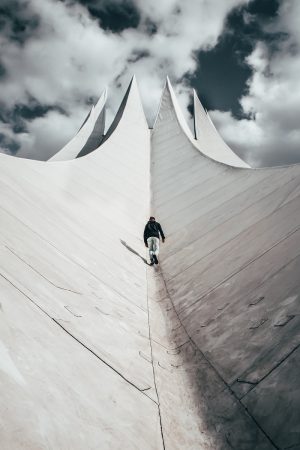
153 245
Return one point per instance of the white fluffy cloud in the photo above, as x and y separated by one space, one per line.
70 59
271 135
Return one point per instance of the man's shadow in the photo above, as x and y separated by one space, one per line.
134 252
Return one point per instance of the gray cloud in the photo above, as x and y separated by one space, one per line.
113 15
66 55
271 135
17 22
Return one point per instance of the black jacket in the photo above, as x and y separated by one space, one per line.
153 229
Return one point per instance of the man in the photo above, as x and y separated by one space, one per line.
151 238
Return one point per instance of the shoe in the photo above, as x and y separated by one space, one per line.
155 259
151 263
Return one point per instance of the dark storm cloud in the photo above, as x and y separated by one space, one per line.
9 145
136 55
150 27
22 114
2 70
241 56
113 15
63 52
222 72
17 23
266 132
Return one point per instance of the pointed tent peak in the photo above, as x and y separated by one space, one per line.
84 140
165 97
166 92
199 113
195 95
74 146
178 111
132 86
209 141
196 99
133 89
103 95
131 108
101 101
169 88
134 104
96 136
133 92
169 100
197 102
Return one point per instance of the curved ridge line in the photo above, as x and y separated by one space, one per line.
185 128
122 108
73 148
201 114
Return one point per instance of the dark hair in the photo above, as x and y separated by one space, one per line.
152 218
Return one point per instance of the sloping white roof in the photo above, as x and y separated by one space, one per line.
99 350
229 294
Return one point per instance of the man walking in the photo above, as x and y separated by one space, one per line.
151 238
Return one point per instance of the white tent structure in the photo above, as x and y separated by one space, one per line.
89 135
98 350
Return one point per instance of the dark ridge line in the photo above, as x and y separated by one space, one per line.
86 186
99 251
272 275
118 116
194 131
170 349
82 169
85 120
94 176
95 137
69 193
259 285
160 169
162 160
213 175
103 361
74 262
192 188
153 371
186 137
216 371
40 274
76 339
196 184
277 208
292 446
254 385
269 278
210 290
169 196
234 196
165 98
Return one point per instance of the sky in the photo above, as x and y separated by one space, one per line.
241 56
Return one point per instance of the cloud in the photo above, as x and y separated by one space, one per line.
270 135
64 59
